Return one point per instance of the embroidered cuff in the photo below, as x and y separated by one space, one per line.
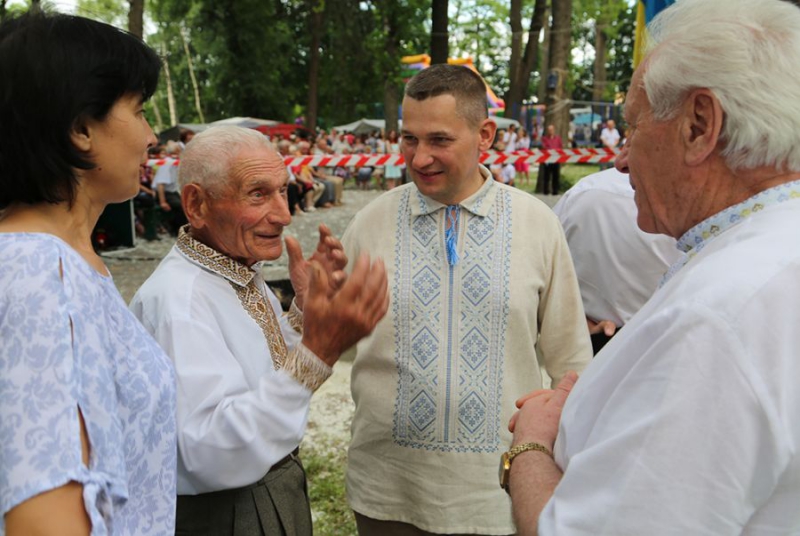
295 317
307 368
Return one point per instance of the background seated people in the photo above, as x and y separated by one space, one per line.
165 183
314 190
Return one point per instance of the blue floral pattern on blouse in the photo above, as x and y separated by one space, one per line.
68 344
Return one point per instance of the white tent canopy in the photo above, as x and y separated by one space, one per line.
246 122
504 122
362 126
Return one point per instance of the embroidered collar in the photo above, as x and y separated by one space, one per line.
211 259
696 238
478 203
241 278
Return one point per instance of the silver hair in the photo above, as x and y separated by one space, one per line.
208 158
747 52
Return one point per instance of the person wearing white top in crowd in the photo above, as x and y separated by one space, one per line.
510 138
619 266
245 371
688 421
610 139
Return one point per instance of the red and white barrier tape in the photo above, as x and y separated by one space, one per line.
533 156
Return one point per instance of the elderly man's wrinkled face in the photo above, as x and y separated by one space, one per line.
246 216
651 155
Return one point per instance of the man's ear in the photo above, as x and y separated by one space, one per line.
702 125
81 136
194 200
487 131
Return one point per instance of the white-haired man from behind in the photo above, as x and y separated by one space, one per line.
688 421
618 265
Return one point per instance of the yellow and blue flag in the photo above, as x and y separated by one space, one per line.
646 11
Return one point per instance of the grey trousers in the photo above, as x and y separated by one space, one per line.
275 505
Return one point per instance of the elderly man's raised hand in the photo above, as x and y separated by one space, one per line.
330 256
335 321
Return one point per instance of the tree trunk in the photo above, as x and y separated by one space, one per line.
544 68
391 88
599 87
173 114
512 95
439 35
136 18
2 9
192 76
557 102
157 113
317 8
521 70
36 6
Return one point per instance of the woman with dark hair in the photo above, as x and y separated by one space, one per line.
87 398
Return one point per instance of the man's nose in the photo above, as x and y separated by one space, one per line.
279 212
422 156
621 161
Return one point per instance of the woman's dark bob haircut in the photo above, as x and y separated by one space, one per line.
56 73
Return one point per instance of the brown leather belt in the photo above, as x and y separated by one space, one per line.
286 459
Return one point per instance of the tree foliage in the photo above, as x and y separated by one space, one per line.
253 57
601 77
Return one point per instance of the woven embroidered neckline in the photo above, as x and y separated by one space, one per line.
695 239
242 279
476 203
213 260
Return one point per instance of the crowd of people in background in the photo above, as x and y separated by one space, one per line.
310 188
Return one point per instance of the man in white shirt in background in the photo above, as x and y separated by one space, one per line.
619 266
245 372
610 139
688 421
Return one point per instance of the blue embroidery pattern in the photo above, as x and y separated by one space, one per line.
450 325
696 238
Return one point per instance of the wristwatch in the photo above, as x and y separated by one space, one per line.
508 457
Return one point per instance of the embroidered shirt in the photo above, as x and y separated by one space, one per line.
688 421
68 344
245 381
435 384
695 239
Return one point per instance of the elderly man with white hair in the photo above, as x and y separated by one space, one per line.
688 421
246 372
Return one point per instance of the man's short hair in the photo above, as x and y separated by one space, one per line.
464 84
747 53
207 161
56 73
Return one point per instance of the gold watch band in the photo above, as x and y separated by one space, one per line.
519 449
508 457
